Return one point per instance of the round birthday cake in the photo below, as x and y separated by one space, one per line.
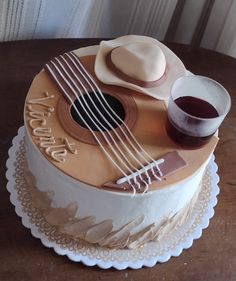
99 163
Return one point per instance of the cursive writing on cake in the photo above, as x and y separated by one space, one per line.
39 111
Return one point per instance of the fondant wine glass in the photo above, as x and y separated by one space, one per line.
197 106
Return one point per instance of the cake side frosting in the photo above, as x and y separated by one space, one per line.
118 209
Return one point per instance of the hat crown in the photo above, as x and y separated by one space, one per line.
143 61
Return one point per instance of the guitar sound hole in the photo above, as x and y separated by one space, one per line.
86 102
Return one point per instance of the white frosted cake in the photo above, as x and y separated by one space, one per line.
99 162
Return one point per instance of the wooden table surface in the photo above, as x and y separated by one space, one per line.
23 257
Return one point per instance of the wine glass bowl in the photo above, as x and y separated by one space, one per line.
197 106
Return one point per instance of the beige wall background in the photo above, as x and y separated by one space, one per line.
206 23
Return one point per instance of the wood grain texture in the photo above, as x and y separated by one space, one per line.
23 257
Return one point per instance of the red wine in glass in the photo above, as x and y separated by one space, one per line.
194 107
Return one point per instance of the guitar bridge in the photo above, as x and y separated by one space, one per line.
140 180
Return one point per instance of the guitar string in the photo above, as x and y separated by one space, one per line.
127 138
98 124
92 132
103 103
107 122
112 128
102 133
97 120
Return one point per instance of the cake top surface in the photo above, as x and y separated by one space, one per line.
85 161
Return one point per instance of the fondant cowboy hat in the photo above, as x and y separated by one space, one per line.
139 63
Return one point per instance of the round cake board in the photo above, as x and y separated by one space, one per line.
181 237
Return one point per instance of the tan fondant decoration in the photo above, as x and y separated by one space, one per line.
142 61
102 233
148 73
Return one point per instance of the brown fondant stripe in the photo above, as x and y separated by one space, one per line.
71 73
66 73
56 77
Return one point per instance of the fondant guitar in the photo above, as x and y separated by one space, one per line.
119 133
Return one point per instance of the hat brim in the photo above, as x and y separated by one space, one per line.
174 68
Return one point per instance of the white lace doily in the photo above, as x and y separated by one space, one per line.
171 245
